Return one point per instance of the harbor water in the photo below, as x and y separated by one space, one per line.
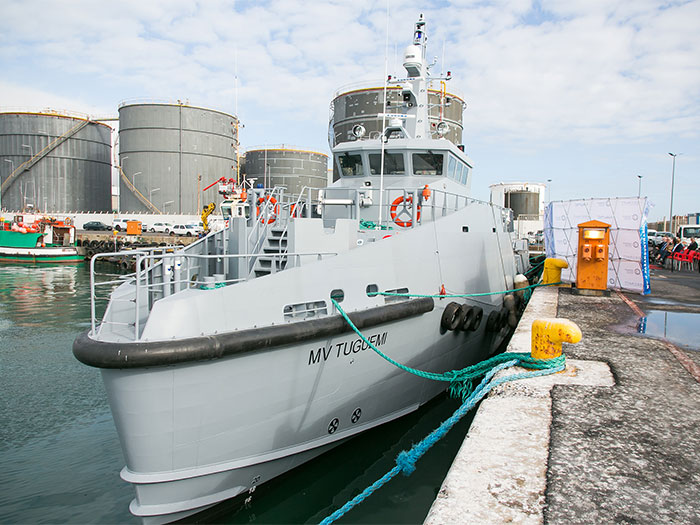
60 456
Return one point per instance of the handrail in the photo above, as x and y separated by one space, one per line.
146 261
43 152
137 193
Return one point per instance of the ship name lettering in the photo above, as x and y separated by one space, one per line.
346 348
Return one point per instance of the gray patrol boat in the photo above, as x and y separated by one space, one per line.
226 363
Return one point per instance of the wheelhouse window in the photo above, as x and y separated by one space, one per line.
427 163
350 165
451 163
393 164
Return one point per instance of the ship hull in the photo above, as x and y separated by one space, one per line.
208 426
197 434
40 255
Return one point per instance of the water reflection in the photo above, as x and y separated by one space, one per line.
677 327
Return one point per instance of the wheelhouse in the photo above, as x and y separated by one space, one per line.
365 161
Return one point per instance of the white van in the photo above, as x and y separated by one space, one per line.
689 230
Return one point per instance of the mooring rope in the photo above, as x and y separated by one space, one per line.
406 460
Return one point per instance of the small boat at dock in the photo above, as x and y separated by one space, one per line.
38 239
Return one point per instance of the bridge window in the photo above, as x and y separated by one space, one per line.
451 164
350 165
427 163
393 164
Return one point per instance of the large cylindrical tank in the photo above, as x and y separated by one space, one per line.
365 105
524 198
523 202
54 162
170 152
294 168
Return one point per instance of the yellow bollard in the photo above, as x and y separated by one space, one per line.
549 334
552 270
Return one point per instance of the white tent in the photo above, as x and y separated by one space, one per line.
628 265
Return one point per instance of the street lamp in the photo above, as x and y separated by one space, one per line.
549 190
12 169
133 177
150 194
166 204
639 192
31 151
673 177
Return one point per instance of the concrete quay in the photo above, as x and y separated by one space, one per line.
612 439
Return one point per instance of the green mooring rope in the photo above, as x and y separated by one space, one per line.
460 386
461 381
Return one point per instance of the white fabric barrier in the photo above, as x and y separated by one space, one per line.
628 263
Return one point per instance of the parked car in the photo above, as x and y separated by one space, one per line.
657 238
96 225
119 224
161 227
196 226
182 229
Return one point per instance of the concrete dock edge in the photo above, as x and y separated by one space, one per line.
499 473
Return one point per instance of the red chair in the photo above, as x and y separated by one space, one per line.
696 258
681 258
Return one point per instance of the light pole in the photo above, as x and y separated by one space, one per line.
673 177
12 169
639 192
549 190
150 194
31 151
133 177
166 204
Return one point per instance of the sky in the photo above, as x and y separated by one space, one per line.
589 94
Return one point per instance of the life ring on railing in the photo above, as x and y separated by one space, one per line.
68 221
275 208
296 211
406 209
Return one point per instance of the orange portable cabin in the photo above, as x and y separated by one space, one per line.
133 227
593 247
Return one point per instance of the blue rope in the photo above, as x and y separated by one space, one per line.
406 460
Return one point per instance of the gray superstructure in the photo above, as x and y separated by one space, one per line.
365 105
227 363
54 163
293 168
170 152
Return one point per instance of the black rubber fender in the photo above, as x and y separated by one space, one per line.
467 313
478 316
451 317
492 321
503 317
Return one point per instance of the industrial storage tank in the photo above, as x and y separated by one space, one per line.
365 106
526 199
168 153
54 163
294 168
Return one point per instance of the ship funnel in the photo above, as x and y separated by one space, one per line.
413 60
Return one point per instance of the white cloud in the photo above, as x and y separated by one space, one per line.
534 74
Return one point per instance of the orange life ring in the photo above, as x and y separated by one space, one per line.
407 208
296 212
275 209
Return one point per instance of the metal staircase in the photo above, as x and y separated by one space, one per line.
27 165
272 258
137 193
